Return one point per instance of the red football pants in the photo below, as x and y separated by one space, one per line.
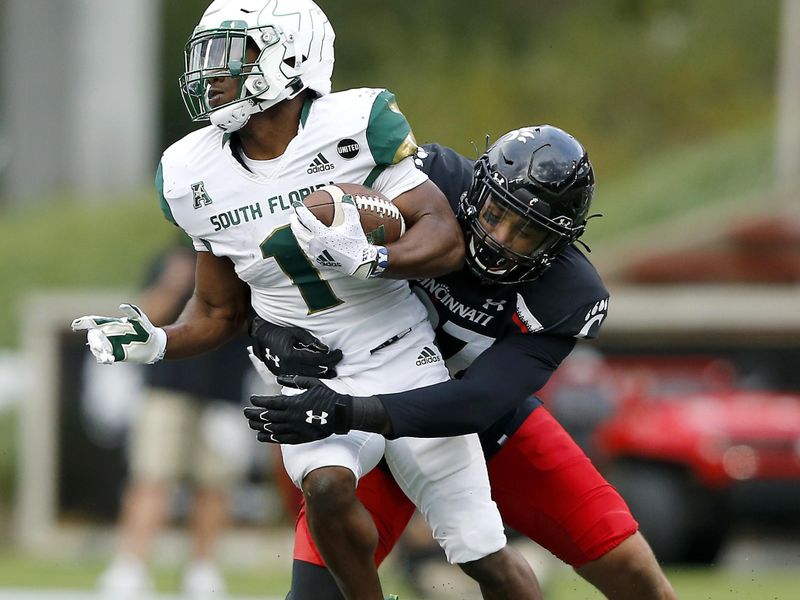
544 485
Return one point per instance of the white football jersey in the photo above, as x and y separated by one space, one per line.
355 136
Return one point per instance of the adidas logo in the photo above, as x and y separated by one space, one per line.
326 260
427 356
320 164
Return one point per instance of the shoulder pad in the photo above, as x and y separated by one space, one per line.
185 163
389 134
190 158
568 299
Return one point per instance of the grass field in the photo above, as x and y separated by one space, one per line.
691 583
698 584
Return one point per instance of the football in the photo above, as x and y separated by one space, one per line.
380 218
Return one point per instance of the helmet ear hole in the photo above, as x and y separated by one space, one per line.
259 84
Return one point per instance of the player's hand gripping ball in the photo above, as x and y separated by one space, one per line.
345 226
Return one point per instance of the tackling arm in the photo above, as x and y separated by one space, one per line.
433 243
499 379
496 383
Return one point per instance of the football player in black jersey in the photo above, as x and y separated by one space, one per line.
503 324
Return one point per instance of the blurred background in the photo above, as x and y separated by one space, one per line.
689 402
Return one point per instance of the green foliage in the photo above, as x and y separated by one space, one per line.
179 19
627 77
8 459
624 86
728 169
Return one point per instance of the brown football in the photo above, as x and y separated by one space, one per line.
380 218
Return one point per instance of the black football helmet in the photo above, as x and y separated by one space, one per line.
529 200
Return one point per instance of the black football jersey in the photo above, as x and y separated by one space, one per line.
501 341
569 299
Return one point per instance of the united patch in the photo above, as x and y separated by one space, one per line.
348 148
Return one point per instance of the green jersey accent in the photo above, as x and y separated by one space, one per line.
306 109
388 133
161 199
373 175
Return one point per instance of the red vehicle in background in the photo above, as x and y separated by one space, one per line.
691 449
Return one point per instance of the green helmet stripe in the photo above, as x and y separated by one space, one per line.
241 25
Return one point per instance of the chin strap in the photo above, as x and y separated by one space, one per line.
234 117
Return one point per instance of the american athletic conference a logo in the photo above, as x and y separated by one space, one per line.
320 419
200 197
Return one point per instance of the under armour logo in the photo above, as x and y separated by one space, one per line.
563 222
321 418
272 357
498 177
497 304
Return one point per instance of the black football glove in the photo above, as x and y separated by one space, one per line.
313 415
292 350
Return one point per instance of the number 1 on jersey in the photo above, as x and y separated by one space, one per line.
283 247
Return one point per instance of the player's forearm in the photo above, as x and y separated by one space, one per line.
433 243
497 382
447 409
433 246
201 328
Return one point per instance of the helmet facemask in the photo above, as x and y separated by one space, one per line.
293 41
223 53
530 240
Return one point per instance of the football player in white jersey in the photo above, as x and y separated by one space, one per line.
260 71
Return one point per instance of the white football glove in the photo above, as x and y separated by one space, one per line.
132 338
342 247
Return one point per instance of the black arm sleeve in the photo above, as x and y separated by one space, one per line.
496 383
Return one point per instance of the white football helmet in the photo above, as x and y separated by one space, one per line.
295 42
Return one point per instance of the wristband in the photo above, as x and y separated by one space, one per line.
381 262
368 414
